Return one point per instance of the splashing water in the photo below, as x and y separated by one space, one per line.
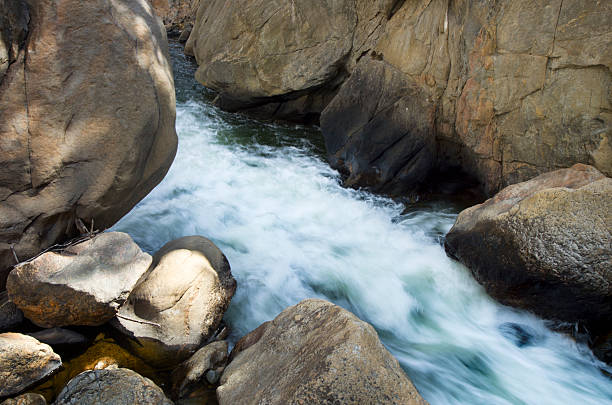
265 196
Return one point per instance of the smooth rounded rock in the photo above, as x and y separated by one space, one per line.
315 353
24 361
88 111
119 386
83 285
178 303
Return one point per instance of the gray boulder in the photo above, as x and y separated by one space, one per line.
314 353
24 361
178 303
118 386
83 285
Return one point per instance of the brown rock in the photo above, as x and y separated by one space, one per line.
179 302
205 365
23 362
285 57
83 285
118 386
314 353
504 90
87 124
544 245
26 399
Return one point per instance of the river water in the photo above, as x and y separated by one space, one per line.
265 195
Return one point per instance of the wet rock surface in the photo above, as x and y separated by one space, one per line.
315 352
83 285
178 303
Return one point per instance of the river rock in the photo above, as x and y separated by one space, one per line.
24 361
10 315
544 245
312 353
83 285
88 110
60 337
204 367
26 399
119 386
502 91
281 59
179 302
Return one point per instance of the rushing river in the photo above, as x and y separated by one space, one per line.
266 196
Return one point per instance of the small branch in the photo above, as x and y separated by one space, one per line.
138 320
14 254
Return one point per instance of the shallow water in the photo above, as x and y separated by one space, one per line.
266 196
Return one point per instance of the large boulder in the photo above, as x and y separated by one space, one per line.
82 285
314 353
282 59
24 361
87 111
504 90
118 386
511 89
178 303
544 245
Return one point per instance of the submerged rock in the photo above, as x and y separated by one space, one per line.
312 353
103 353
83 285
88 109
59 337
26 399
24 361
544 245
118 386
178 303
203 368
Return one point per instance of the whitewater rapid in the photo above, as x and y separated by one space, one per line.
265 196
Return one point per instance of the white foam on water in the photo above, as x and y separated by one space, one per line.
290 231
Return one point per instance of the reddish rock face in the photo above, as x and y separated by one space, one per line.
87 118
